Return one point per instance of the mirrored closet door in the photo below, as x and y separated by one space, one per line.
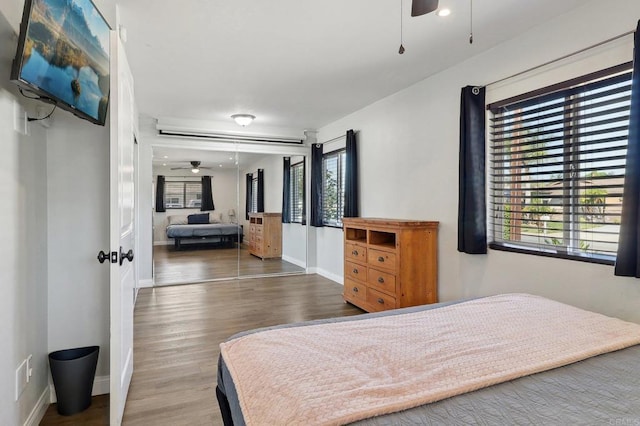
246 234
275 235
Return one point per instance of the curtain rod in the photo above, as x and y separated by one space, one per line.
335 139
562 57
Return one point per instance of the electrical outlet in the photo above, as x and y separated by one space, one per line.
20 119
21 378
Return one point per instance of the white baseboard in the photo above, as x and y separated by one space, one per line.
295 261
145 283
162 243
39 409
100 387
326 274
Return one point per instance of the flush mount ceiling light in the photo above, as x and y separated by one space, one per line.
443 12
243 119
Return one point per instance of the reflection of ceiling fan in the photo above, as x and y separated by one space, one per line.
422 7
195 167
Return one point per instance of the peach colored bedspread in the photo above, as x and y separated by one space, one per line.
342 372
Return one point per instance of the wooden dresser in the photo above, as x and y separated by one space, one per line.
265 235
390 263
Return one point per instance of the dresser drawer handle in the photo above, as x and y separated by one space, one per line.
380 259
381 301
381 280
355 271
355 252
355 289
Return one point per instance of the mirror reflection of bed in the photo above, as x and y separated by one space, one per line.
216 246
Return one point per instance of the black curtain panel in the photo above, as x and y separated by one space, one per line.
160 194
472 221
207 194
628 258
351 196
260 190
316 185
248 195
286 190
304 191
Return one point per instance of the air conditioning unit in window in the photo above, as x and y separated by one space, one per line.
228 132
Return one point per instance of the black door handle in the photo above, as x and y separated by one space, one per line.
102 256
128 255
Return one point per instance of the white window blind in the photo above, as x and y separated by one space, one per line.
181 195
296 192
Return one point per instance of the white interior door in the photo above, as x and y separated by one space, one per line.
122 279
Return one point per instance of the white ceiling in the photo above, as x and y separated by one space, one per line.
302 63
182 157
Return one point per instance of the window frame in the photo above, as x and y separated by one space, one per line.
184 184
254 194
296 186
340 155
572 143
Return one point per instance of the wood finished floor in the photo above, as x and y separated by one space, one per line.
205 262
178 330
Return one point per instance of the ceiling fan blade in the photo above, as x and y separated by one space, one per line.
422 7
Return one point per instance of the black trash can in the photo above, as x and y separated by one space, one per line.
73 371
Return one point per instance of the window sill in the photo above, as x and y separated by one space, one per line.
588 259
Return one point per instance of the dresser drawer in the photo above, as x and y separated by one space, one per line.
355 271
259 229
354 252
381 259
252 229
258 240
354 290
383 281
380 301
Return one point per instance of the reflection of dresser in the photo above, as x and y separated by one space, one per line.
265 235
390 263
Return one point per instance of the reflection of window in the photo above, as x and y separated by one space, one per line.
182 195
254 195
296 193
333 174
557 170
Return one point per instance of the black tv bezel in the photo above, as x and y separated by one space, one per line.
42 94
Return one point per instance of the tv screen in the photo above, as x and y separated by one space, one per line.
63 56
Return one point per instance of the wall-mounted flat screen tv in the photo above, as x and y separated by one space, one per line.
63 56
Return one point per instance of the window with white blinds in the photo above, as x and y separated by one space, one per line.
182 195
254 195
557 170
296 192
333 175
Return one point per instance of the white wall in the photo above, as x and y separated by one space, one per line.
23 253
408 156
144 196
23 260
78 194
223 187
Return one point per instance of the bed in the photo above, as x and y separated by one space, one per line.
202 228
587 372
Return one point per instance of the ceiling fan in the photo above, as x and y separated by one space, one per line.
195 167
422 7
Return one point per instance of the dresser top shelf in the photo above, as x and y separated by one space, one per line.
395 223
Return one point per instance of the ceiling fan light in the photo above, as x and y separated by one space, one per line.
195 170
443 12
243 119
